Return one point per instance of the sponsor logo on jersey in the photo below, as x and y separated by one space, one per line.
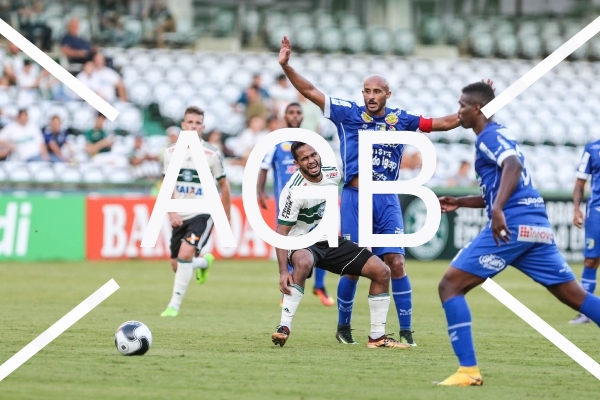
366 117
189 190
332 174
536 234
342 103
380 126
287 209
286 146
391 119
527 201
493 262
290 169
566 269
589 243
365 126
321 210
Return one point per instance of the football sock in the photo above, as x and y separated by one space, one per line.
183 275
591 308
199 262
319 278
458 317
402 292
379 305
345 292
290 305
588 279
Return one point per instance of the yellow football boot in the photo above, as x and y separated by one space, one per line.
466 376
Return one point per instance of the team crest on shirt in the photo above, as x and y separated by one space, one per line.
286 146
590 243
188 176
366 117
391 119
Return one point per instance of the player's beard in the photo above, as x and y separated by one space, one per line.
307 172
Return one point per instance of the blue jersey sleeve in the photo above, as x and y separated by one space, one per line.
498 147
585 166
267 162
337 110
410 121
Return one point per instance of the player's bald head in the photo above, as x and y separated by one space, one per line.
377 81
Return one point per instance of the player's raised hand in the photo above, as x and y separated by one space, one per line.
448 204
285 280
578 218
489 82
499 228
286 51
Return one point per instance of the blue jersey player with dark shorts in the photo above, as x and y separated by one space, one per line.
349 118
280 158
518 234
588 168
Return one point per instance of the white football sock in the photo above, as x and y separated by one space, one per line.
183 276
379 306
290 305
199 262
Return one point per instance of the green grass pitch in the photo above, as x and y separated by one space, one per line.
219 346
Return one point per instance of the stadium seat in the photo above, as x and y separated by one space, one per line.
161 90
172 107
323 20
348 21
93 175
404 42
456 30
506 45
380 41
130 120
331 40
482 45
120 175
305 38
530 46
432 30
18 173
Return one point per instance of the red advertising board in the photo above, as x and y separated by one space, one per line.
115 227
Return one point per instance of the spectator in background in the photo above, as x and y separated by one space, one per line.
255 106
162 19
31 21
75 48
56 138
24 140
28 82
248 138
464 177
282 94
99 145
108 82
86 76
257 83
144 163
13 63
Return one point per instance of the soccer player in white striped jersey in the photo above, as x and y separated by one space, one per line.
298 217
191 230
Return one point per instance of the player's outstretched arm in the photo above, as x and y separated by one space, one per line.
577 196
449 203
225 196
301 84
285 278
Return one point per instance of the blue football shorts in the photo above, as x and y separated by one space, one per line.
531 250
387 218
591 247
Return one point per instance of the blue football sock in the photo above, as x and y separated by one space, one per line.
588 279
402 292
458 317
319 278
345 292
591 308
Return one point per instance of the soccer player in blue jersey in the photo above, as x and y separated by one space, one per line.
349 118
589 167
281 160
518 234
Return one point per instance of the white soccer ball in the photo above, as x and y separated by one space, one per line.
133 338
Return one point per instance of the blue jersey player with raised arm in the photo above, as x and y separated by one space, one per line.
588 168
518 233
349 118
280 158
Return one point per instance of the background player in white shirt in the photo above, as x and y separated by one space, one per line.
297 217
191 230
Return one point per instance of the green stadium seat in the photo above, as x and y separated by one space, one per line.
432 30
507 45
404 42
331 40
380 41
530 47
224 23
482 45
456 31
305 38
355 40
